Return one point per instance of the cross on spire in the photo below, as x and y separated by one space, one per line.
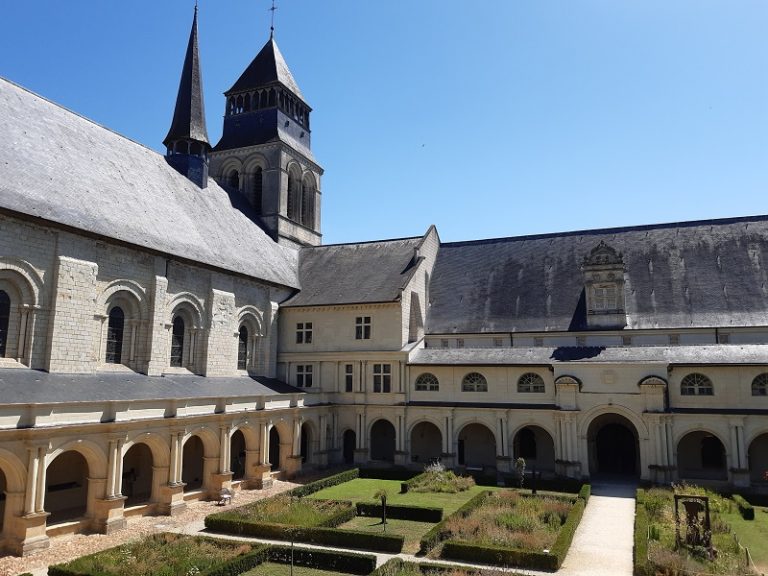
272 25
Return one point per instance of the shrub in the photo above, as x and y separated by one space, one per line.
318 485
438 481
585 492
745 508
500 556
401 512
438 532
334 561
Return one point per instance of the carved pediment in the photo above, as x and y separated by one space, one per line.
604 255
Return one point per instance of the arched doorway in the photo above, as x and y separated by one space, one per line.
536 447
701 456
614 447
477 447
237 455
758 459
66 487
426 443
137 475
383 441
3 489
349 442
274 448
193 464
305 443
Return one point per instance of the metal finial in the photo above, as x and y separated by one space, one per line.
272 25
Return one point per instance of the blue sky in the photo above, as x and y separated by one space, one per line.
487 118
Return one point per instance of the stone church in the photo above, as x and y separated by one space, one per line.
172 324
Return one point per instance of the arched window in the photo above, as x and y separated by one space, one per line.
308 204
530 382
712 453
242 348
233 180
5 314
526 439
177 342
294 197
427 383
115 336
696 384
474 382
760 385
258 186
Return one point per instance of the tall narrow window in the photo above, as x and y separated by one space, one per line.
363 328
304 375
242 348
5 314
258 185
382 378
177 342
293 208
115 335
308 204
304 333
348 377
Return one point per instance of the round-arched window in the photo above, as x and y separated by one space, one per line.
242 348
696 384
474 382
760 385
115 336
530 382
427 383
177 342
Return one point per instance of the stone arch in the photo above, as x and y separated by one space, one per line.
757 457
252 319
590 415
382 440
189 304
702 455
308 194
613 445
92 452
131 293
536 445
309 442
22 274
23 287
184 322
138 483
14 470
131 298
426 440
69 486
476 446
293 205
161 451
238 446
253 161
280 438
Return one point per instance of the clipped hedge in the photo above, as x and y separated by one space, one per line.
401 512
640 564
312 535
503 556
437 533
334 561
745 508
323 483
405 486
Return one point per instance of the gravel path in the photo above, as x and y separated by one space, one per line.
68 547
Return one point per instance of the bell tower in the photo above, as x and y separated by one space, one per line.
265 149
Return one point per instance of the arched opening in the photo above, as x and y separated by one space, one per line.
274 448
349 442
758 459
5 316
3 489
426 443
258 189
66 487
536 447
305 443
233 180
308 202
192 464
242 348
115 336
383 441
477 447
137 475
237 455
701 455
294 196
613 445
177 342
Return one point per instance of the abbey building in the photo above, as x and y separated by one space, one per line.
172 324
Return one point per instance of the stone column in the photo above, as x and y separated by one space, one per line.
158 333
503 459
25 533
172 494
361 451
401 443
222 478
739 470
293 462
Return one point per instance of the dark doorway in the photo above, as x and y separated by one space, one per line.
613 447
306 438
274 448
237 455
137 475
383 441
348 450
66 487
192 464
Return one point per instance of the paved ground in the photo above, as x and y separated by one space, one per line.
602 545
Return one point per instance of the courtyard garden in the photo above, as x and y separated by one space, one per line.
707 534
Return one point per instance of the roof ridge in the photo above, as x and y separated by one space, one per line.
364 242
79 115
618 229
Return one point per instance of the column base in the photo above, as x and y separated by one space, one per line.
217 483
292 466
361 456
108 515
172 502
28 535
740 477
448 459
504 464
401 458
260 478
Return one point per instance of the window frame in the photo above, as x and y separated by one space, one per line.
304 332
113 349
696 384
243 360
178 342
363 327
304 375
531 383
760 385
474 382
427 382
349 377
382 378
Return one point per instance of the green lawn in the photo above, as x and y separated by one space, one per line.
274 569
363 489
413 531
753 534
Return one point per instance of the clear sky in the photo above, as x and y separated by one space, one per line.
485 117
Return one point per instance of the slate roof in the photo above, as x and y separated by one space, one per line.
711 355
267 67
189 116
63 168
21 386
682 275
354 273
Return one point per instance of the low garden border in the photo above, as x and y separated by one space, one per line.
401 512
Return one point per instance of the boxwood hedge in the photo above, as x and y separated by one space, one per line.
401 512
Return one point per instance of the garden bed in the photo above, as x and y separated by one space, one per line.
398 567
655 540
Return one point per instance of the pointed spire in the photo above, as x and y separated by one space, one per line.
189 116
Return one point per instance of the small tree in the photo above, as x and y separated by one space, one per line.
382 495
520 466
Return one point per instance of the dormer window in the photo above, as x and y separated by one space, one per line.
604 287
604 297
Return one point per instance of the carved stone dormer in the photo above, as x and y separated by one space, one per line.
604 287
